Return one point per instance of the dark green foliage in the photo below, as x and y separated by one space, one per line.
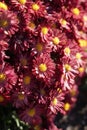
9 119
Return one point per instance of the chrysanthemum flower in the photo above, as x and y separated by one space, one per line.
8 77
17 5
24 60
37 9
45 33
56 103
57 40
41 92
31 115
69 73
28 81
43 67
41 47
19 99
31 24
8 22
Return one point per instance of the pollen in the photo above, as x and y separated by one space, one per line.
73 93
63 21
31 25
3 6
67 51
22 1
44 30
42 67
21 96
67 106
42 91
39 47
35 7
81 69
23 61
27 80
37 127
78 56
82 42
3 23
55 101
76 11
31 112
67 67
1 98
56 40
2 77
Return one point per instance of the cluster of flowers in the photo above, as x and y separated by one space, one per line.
43 48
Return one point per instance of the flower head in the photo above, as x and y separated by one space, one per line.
8 77
42 66
8 22
31 115
56 104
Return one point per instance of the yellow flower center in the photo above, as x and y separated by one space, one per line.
39 47
82 42
56 40
44 30
63 21
27 80
42 91
85 18
22 1
73 93
23 62
55 101
37 127
76 11
3 23
67 51
54 25
1 98
31 25
3 6
21 96
2 77
67 67
81 69
78 56
67 106
35 7
31 112
42 67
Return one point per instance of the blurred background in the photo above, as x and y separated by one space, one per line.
75 120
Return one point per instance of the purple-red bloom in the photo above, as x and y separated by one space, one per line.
43 68
43 50
8 22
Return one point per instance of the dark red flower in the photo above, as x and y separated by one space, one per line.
43 67
8 22
56 102
8 77
37 9
19 99
31 115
